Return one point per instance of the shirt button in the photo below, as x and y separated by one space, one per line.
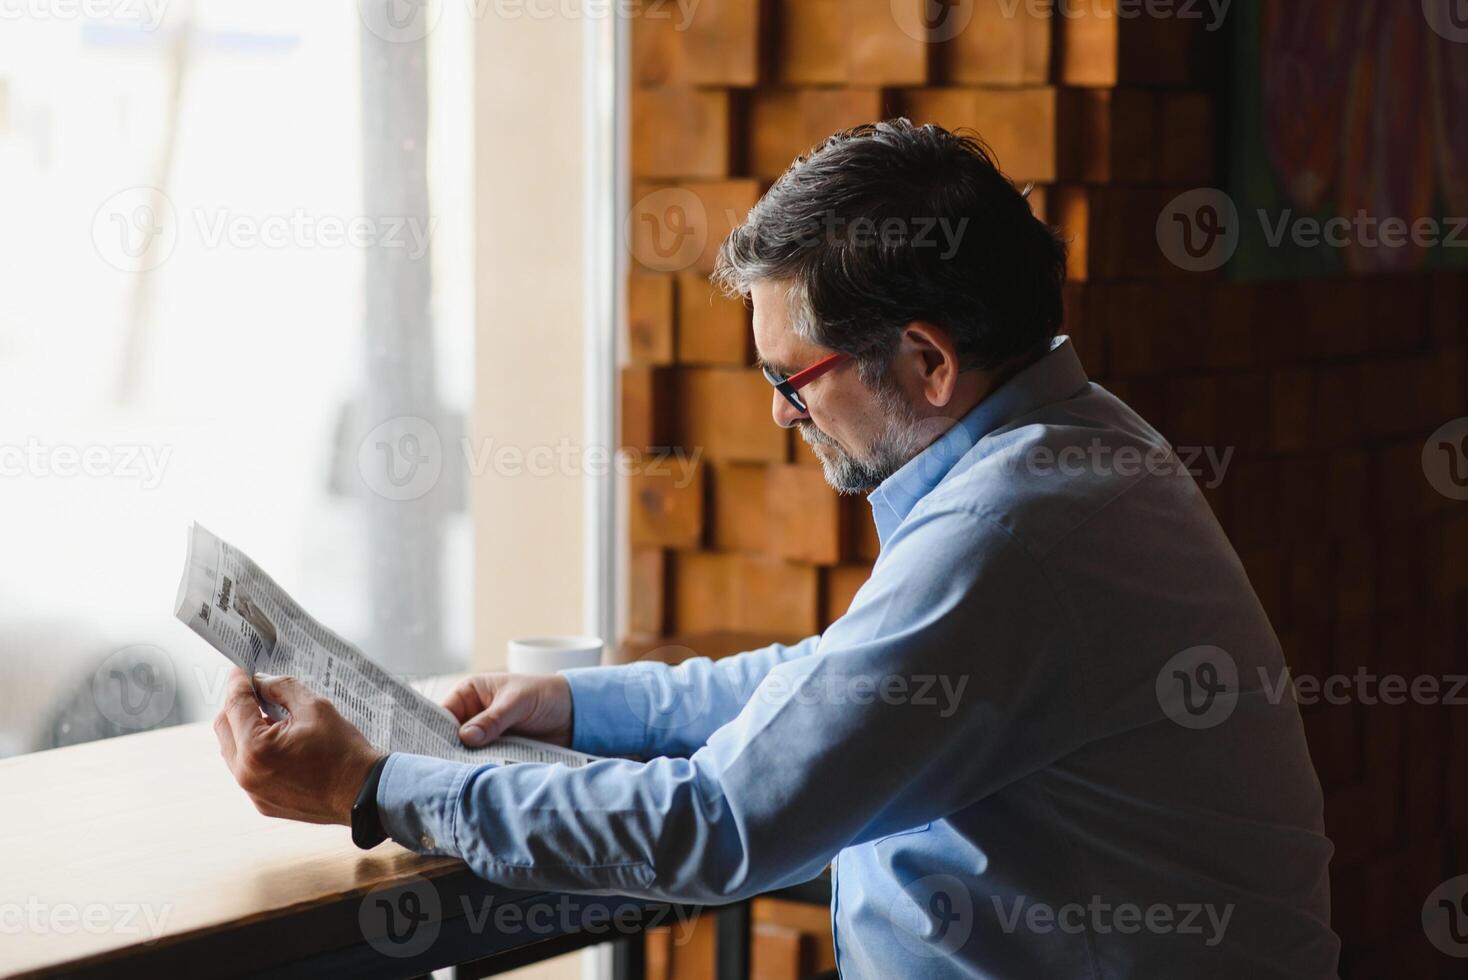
427 842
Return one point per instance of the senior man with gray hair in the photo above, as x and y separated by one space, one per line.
1035 746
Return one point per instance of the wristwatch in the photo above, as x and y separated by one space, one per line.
367 830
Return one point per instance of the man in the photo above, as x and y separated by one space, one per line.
1037 745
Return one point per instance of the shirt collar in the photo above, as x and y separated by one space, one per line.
1055 376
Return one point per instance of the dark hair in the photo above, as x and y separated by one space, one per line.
889 223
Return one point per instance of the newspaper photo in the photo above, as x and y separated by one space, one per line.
225 598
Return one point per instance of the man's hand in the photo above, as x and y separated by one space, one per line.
533 705
309 767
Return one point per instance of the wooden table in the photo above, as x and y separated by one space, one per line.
140 855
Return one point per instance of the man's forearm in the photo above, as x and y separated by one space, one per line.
649 709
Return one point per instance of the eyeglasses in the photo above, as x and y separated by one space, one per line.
790 387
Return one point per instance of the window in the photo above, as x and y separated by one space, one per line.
238 290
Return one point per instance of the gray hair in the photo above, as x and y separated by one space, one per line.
889 223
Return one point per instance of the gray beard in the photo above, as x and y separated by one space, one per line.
895 446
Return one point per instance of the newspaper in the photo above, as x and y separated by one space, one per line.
229 601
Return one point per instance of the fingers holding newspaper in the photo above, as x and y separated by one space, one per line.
490 705
308 767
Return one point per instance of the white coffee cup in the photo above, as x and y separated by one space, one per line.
548 654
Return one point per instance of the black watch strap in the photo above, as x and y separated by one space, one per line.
367 830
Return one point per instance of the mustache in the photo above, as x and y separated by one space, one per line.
813 435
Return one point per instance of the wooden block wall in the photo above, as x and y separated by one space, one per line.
1323 391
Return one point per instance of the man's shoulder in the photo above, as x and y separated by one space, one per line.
1044 475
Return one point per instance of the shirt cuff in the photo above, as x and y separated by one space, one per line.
418 801
610 708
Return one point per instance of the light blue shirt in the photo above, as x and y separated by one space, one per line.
1045 741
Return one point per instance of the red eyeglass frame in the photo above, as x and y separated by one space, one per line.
790 387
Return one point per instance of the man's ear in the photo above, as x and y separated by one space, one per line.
936 358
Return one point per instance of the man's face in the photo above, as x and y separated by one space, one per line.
861 435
